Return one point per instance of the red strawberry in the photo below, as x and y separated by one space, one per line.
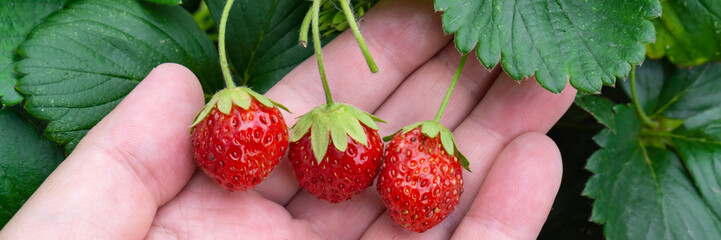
420 182
238 138
335 151
340 175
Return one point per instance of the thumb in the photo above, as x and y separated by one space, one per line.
134 160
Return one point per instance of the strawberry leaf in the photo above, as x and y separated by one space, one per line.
661 182
262 39
688 32
167 2
27 159
85 58
589 42
599 107
643 192
17 19
665 90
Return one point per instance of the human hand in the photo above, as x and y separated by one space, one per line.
133 175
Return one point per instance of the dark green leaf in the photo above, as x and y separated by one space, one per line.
589 42
262 39
85 58
26 159
643 192
703 162
683 92
698 142
167 2
17 19
599 107
649 81
688 32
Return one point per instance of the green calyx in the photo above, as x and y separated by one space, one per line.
334 121
431 129
239 96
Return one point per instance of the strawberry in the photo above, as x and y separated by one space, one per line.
238 138
335 151
339 175
420 180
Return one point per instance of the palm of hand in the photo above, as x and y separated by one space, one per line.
150 187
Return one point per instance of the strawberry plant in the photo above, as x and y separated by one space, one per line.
652 172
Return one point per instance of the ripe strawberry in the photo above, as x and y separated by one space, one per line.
340 175
338 168
420 182
238 138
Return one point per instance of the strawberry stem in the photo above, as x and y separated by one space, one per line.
358 37
221 45
318 52
303 38
641 114
450 89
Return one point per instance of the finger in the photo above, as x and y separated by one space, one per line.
131 162
508 110
202 210
418 98
518 192
401 35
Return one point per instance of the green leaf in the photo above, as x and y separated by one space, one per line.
167 2
698 143
665 90
589 42
702 160
689 32
319 137
17 19
644 192
262 39
84 59
27 159
599 107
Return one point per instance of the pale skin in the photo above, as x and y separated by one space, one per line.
133 176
